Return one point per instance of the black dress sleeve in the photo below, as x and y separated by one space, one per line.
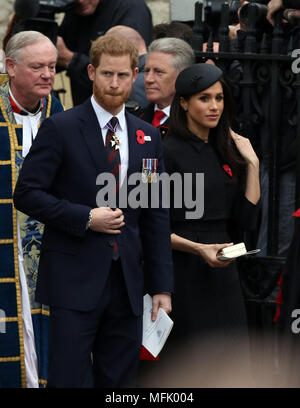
244 214
247 213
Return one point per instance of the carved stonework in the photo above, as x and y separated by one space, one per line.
6 12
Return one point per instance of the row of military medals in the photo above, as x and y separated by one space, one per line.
149 174
149 165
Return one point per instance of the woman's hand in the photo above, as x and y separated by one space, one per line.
209 253
252 191
245 148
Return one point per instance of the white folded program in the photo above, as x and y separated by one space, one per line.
233 251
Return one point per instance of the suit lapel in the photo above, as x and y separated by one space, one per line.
133 152
91 131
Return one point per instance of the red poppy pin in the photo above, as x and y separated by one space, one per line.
140 136
227 169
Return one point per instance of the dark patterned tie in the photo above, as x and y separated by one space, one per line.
112 149
113 157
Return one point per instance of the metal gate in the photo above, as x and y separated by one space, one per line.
261 66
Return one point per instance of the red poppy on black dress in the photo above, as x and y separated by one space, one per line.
227 169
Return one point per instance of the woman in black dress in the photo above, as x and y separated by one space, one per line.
208 304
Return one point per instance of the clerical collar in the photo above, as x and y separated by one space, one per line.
17 108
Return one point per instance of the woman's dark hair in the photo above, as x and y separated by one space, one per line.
219 137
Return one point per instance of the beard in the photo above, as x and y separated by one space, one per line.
110 100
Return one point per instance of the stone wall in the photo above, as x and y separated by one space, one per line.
160 10
6 12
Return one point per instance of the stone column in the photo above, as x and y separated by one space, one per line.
6 12
160 10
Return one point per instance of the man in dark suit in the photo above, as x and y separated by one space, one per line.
90 270
167 57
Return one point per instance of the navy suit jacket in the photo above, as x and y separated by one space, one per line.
57 186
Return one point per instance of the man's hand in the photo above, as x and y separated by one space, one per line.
273 6
162 300
64 54
106 220
291 14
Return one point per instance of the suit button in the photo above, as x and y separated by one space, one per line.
111 243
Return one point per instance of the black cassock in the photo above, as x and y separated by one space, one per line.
208 304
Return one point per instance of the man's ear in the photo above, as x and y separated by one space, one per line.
10 67
135 73
91 72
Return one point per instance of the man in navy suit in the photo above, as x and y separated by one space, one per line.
90 270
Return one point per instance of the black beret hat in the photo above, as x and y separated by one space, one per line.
196 78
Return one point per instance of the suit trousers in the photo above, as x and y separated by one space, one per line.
98 348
